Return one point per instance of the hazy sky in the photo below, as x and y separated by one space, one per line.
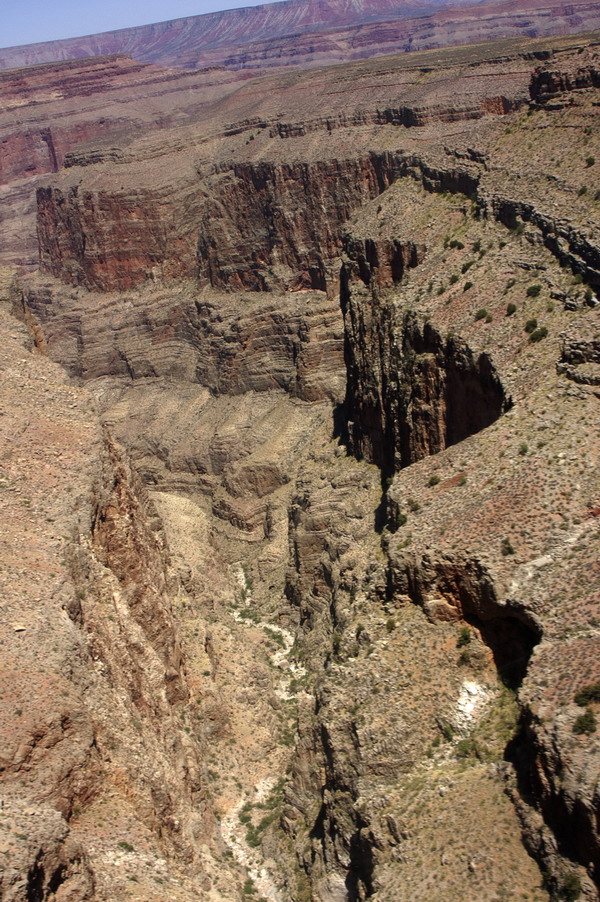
46 20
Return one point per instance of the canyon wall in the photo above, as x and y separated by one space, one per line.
93 664
423 392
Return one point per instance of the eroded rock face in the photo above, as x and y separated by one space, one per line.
117 255
549 82
279 226
43 860
294 342
228 343
410 392
464 592
92 658
124 542
580 351
256 227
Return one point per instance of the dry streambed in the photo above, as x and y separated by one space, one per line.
239 830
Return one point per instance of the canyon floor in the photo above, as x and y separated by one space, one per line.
299 480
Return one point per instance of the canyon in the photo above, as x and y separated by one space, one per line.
299 478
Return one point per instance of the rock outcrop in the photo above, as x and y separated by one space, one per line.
410 392
50 113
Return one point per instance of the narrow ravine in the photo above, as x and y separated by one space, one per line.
233 824
233 832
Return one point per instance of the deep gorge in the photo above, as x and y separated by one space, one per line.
327 558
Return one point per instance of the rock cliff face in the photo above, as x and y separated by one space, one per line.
285 219
230 344
72 244
318 621
410 392
93 662
49 113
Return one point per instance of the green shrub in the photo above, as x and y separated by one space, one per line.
582 191
506 547
467 285
571 888
245 815
453 279
252 837
249 888
589 161
447 731
466 748
585 723
456 244
396 520
489 318
538 334
266 821
531 325
523 449
476 246
587 694
125 845
464 637
481 314
533 291
433 480
390 625
510 309
467 266
413 505
464 659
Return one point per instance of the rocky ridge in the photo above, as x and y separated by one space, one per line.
296 33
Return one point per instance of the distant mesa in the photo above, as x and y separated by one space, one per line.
307 33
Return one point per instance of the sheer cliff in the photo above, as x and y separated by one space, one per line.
318 619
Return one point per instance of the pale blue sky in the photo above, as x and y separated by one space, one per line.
30 21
